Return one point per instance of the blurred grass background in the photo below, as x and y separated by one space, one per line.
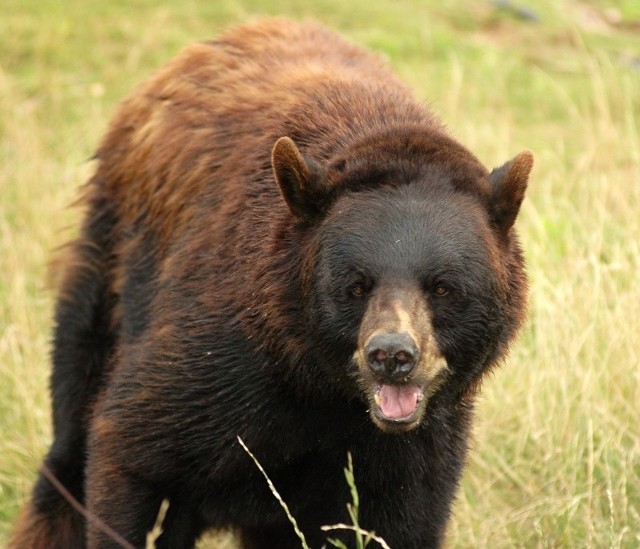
556 455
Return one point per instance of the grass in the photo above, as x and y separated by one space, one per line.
362 537
276 494
556 456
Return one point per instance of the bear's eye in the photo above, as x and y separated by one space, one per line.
440 290
358 286
358 291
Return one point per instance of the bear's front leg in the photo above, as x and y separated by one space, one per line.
123 505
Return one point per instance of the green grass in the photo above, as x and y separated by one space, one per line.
556 456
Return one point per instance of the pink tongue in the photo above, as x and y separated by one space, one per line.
398 401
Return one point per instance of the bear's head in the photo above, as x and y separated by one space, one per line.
414 282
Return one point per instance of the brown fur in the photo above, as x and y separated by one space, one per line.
57 530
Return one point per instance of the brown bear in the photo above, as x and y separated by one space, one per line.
281 244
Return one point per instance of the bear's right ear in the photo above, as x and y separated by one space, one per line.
298 179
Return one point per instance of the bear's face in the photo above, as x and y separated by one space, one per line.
414 282
404 290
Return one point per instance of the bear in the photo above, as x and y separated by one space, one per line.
282 245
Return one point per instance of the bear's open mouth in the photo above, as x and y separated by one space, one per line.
397 403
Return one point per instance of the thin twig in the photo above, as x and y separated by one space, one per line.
277 496
90 517
358 530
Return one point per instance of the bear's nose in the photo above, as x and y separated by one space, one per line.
391 355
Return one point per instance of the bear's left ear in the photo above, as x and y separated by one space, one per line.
508 185
299 179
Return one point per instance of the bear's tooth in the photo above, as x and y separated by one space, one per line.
376 399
